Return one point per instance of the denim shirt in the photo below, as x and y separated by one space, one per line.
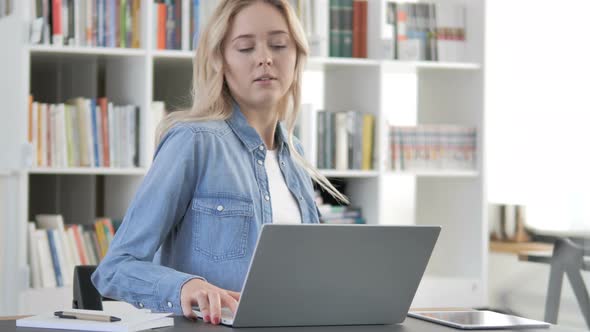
198 213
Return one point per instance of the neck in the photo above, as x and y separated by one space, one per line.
264 121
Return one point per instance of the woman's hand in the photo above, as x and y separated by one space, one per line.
209 298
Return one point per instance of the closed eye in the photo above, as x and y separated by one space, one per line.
246 50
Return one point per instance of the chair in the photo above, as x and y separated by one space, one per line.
570 256
86 296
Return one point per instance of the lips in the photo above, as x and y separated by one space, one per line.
264 78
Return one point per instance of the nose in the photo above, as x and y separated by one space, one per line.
265 58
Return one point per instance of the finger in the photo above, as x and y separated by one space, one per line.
187 309
215 307
230 302
235 295
203 301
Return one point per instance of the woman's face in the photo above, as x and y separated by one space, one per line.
259 56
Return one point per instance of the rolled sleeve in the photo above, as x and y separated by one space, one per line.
127 272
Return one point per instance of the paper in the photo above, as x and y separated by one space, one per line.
130 321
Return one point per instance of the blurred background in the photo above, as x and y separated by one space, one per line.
468 114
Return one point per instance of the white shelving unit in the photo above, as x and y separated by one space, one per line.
403 93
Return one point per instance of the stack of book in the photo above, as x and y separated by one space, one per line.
332 214
348 28
427 31
313 15
103 23
345 140
55 249
432 147
408 31
177 23
84 133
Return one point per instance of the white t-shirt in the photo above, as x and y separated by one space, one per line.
285 209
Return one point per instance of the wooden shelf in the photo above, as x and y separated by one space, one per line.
519 248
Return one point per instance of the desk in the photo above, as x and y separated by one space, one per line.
410 325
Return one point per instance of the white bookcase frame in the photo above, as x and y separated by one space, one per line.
404 93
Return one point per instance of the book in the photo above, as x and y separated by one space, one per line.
33 256
62 244
45 260
130 321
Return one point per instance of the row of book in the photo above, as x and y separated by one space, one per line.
5 7
103 23
407 30
340 215
345 140
348 28
84 133
432 147
176 23
427 31
54 249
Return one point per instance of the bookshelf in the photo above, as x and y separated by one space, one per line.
405 93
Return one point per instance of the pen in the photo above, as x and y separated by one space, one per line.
85 316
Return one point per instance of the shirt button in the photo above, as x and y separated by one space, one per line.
140 305
267 198
260 162
282 163
261 148
219 208
169 304
301 198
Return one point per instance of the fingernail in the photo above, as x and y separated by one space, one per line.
216 320
207 318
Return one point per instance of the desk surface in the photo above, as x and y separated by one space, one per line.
410 325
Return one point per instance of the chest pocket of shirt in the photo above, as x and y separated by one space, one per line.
222 225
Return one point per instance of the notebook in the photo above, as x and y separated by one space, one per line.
130 321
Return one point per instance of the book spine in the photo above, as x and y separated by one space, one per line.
335 28
56 23
46 263
33 255
101 238
54 257
364 5
161 26
135 25
33 133
122 23
356 29
103 102
195 25
136 132
111 121
321 128
80 244
346 28
72 241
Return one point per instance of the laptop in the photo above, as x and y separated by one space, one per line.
313 275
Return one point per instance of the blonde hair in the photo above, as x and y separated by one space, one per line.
211 96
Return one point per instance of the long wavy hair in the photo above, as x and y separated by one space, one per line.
212 99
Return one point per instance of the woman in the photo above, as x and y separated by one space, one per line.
221 170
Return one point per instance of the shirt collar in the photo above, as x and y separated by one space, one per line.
248 135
